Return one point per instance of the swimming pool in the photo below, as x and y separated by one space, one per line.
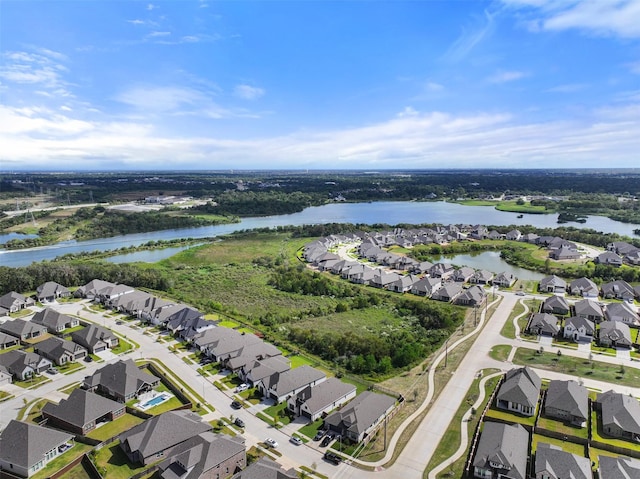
154 401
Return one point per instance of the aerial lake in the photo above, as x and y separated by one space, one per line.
388 212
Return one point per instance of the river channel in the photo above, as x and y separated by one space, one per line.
365 213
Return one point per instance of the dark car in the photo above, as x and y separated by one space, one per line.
88 359
236 405
325 442
318 435
239 422
333 458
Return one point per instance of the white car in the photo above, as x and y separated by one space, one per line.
242 387
296 440
271 442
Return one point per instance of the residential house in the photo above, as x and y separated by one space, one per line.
608 258
620 415
23 365
422 267
481 277
176 313
564 253
404 283
555 305
473 296
501 452
258 370
447 292
504 279
615 334
265 468
567 401
621 247
258 351
463 274
583 287
60 351
364 277
54 321
589 309
622 312
383 279
8 341
315 401
189 328
95 338
553 463
441 270
633 258
23 330
14 302
6 377
520 391
282 386
543 324
82 412
618 289
26 448
205 456
426 286
109 294
91 289
579 329
514 235
360 418
50 291
156 437
531 238
122 381
222 344
618 467
552 284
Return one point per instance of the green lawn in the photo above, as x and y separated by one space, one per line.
510 417
513 206
114 428
227 323
278 413
311 429
297 361
33 383
500 352
122 347
68 368
508 330
571 447
76 472
113 463
562 428
59 462
597 435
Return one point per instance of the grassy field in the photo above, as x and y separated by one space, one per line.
113 428
59 462
513 206
562 428
566 446
500 352
510 417
114 464
508 330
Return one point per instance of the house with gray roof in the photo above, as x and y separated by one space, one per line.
622 312
514 235
91 289
248 355
5 376
50 291
583 287
520 391
567 401
543 324
404 283
621 247
82 412
54 321
23 365
205 456
221 344
555 305
361 417
473 296
109 294
258 370
26 448
504 279
174 313
95 338
426 286
265 468
615 334
618 289
14 302
502 452
553 463
23 330
282 386
447 292
564 253
579 329
463 274
620 415
156 437
608 258
315 401
552 284
442 271
481 277
189 328
8 341
121 381
60 351
618 467
589 309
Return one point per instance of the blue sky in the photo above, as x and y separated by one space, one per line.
91 85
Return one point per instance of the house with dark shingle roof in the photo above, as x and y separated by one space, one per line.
504 279
54 321
622 312
447 292
620 415
567 401
608 258
579 329
156 437
14 302
426 286
618 289
95 338
265 468
60 351
281 386
361 417
257 370
82 412
23 365
26 448
589 309
502 452
314 401
618 467
122 381
23 330
552 284
520 391
481 277
8 341
543 324
473 296
583 287
553 463
91 289
615 334
205 456
463 274
50 291
555 305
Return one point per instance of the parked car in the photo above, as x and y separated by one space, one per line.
119 322
236 405
296 440
331 457
242 387
521 293
318 435
271 442
325 442
88 359
239 422
52 371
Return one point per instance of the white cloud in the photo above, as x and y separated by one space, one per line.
470 37
41 68
620 18
151 6
136 22
567 88
158 34
248 92
506 76
433 86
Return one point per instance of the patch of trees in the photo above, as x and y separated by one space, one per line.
260 203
